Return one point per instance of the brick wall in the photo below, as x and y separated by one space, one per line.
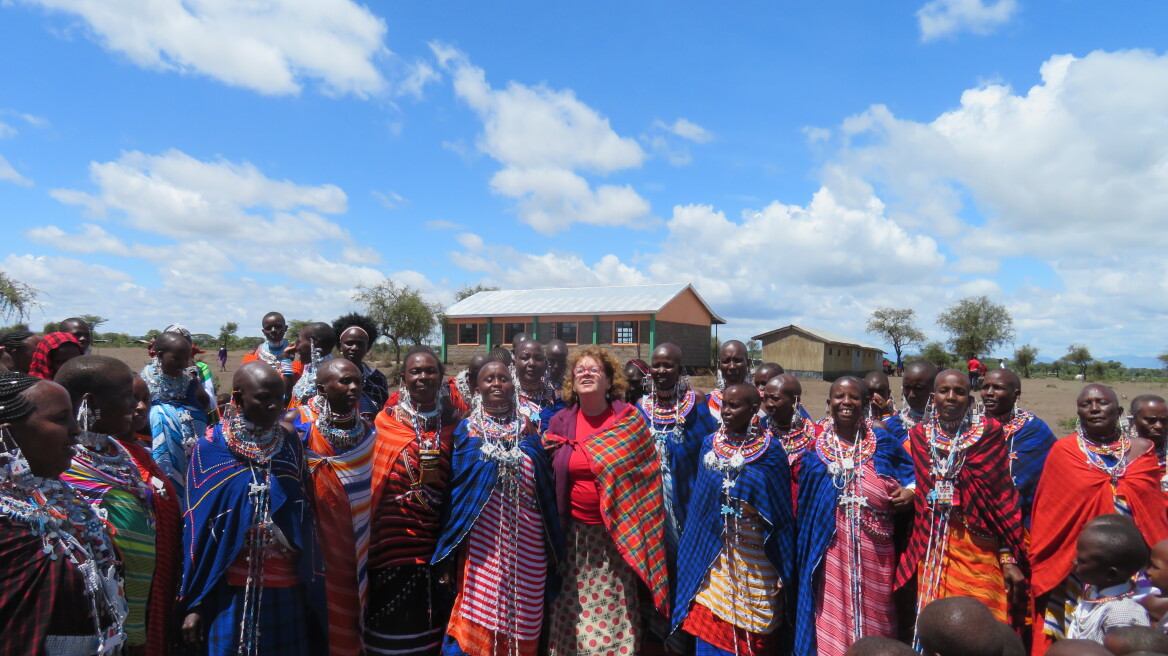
694 341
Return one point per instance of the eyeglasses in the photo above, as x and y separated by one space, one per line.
595 371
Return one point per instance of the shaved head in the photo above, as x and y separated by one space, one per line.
668 350
169 341
921 368
336 368
786 384
957 626
1100 389
255 373
1008 378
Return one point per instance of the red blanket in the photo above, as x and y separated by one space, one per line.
1071 492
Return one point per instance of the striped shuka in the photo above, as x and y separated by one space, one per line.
342 483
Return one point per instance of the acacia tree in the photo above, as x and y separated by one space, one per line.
897 327
400 312
1080 356
468 291
976 325
16 298
227 332
935 352
1163 357
1024 357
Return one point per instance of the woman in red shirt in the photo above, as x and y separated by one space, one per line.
610 499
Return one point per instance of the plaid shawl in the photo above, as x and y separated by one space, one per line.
1072 492
683 453
986 498
42 358
1028 440
818 498
765 484
472 481
628 476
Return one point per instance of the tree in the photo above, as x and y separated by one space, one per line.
935 352
976 325
294 326
754 349
93 320
1163 357
227 332
399 311
897 327
1098 369
1080 356
1024 357
16 298
468 291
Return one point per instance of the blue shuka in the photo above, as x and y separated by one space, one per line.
818 498
765 484
1028 448
472 481
215 526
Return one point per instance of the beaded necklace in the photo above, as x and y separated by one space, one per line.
118 467
305 387
429 451
796 439
327 422
910 417
270 353
165 388
68 526
248 443
256 447
946 460
845 463
729 456
1098 453
542 394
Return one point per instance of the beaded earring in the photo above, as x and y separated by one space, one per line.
1078 426
86 417
16 465
325 409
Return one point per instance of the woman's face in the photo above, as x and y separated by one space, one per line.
530 363
421 378
846 403
354 345
141 419
48 435
63 354
589 378
341 385
951 396
494 385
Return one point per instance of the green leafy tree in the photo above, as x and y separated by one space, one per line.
897 327
16 298
1098 370
935 352
227 332
976 326
754 349
1024 357
294 327
1080 356
1163 357
400 312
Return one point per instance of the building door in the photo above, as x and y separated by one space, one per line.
857 361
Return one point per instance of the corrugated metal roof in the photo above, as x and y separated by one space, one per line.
823 335
631 299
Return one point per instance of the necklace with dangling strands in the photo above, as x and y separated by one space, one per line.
946 460
799 437
429 446
256 447
1098 452
117 466
173 390
68 526
845 463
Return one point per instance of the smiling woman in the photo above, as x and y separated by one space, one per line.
611 503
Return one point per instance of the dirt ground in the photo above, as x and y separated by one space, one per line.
1052 400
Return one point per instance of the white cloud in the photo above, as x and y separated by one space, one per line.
6 130
176 195
443 224
9 174
271 47
418 76
1085 152
390 200
942 18
91 239
544 138
687 129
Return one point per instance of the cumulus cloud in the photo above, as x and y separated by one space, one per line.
6 130
270 47
9 174
545 139
942 18
91 239
176 195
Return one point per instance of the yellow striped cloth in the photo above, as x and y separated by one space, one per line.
743 587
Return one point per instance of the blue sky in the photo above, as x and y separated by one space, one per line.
210 161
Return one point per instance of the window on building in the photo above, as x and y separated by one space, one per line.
567 331
468 333
511 331
624 332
